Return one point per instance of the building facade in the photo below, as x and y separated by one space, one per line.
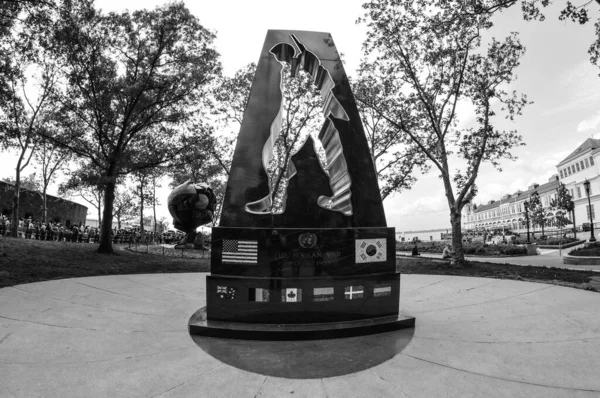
573 171
31 205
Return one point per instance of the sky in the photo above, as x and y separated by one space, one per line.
555 73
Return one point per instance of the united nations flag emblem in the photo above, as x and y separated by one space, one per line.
307 240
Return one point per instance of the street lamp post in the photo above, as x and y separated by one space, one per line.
526 204
586 185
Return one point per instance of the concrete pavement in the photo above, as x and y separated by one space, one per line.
126 336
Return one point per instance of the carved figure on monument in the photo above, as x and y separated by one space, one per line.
191 205
303 78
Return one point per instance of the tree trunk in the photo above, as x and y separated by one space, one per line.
574 225
109 197
45 199
458 255
154 205
543 222
15 206
141 208
99 208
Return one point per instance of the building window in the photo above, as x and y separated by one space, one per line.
519 206
588 213
578 192
592 160
573 169
570 190
577 165
581 164
587 164
569 170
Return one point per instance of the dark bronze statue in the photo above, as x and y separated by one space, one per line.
191 205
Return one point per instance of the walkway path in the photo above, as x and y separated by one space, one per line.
126 336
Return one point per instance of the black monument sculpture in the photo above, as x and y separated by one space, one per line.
302 249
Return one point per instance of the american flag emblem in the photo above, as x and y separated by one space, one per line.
370 250
226 293
258 294
323 294
382 290
354 292
291 295
240 251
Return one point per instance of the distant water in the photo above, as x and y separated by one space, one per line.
425 236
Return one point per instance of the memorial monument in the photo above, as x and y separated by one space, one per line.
302 249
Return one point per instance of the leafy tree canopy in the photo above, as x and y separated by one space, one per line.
132 81
429 56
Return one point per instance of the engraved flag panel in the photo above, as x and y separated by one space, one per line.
371 250
258 294
291 295
226 292
323 294
354 292
240 251
382 290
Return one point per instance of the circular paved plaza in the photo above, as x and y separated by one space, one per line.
126 336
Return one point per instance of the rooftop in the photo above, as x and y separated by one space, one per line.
589 144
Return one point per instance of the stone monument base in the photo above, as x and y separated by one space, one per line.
199 325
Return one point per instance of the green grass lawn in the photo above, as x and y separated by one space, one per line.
26 261
580 279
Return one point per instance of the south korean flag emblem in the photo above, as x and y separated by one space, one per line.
370 250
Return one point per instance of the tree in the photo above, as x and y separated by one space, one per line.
132 82
27 109
144 190
15 15
537 211
394 155
564 204
232 94
124 205
162 225
50 159
532 10
85 184
202 158
429 56
30 182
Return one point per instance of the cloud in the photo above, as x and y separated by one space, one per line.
424 205
589 124
579 92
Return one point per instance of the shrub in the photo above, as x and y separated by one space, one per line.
589 251
476 248
557 241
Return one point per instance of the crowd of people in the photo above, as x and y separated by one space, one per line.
35 229
56 231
